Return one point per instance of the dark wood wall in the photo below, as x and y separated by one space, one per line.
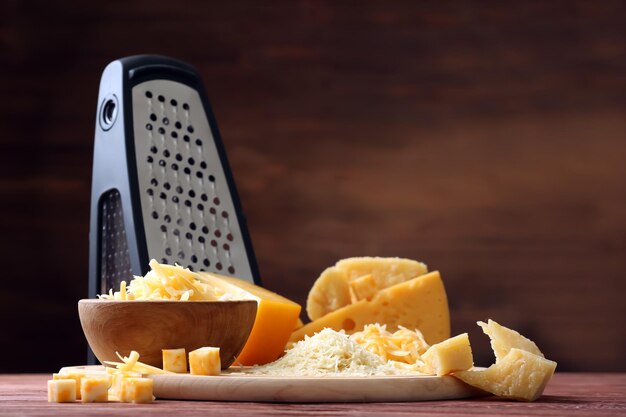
487 139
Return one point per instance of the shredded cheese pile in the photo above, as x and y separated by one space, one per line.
404 346
329 353
170 282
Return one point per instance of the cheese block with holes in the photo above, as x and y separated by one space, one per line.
276 317
419 303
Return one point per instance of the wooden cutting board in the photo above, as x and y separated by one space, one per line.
233 385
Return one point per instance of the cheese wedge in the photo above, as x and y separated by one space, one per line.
454 354
504 339
333 289
419 303
276 317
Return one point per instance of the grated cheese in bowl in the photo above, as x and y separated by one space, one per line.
330 353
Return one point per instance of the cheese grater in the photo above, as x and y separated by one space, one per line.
161 188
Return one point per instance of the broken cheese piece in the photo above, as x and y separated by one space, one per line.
419 303
518 375
503 339
454 354
362 288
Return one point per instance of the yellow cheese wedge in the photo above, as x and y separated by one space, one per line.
332 290
419 303
205 361
61 390
276 317
518 375
454 354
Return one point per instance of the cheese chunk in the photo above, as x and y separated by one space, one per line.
519 375
70 375
363 288
504 339
205 361
136 390
61 390
95 389
454 354
331 291
276 317
175 360
419 303
118 388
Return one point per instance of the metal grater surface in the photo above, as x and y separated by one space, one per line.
188 212
115 259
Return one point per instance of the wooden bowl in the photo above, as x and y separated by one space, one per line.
148 326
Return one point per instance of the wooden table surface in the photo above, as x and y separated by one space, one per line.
572 394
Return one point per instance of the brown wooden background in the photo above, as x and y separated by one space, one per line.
487 139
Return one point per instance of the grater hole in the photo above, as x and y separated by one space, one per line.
214 243
167 186
173 102
187 170
198 142
203 165
194 258
226 246
161 131
179 157
174 134
180 222
186 138
150 159
192 226
206 262
212 210
187 203
153 117
176 232
200 206
205 229
154 182
166 153
161 98
153 149
175 199
190 129
204 197
150 191
225 214
149 94
216 201
201 239
231 269
163 196
175 166
192 193
218 233
149 126
229 237
181 255
179 189
166 121
190 267
211 178
168 251
188 235
164 261
178 125
167 218
191 161
199 174
155 215
161 163
218 266
163 228
185 106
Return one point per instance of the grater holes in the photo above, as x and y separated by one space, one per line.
198 142
180 222
187 170
187 203
148 126
205 229
214 243
163 228
179 189
149 94
185 106
217 233
179 157
199 175
192 193
211 178
212 210
175 199
231 269
166 121
167 186
150 159
189 236
154 149
186 138
154 182
161 131
155 215
200 206
218 266
194 258
164 261
229 237
161 98
201 239
204 197
225 214
173 102
162 196
203 165
176 232
167 218
190 129
166 153
174 134
168 251
206 262
178 125
191 161
226 246
181 255
150 191
192 226
153 117
162 163
216 201
175 166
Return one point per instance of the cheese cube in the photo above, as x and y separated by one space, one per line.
61 390
363 288
175 360
95 389
70 375
419 303
519 375
136 390
454 354
205 361
116 392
